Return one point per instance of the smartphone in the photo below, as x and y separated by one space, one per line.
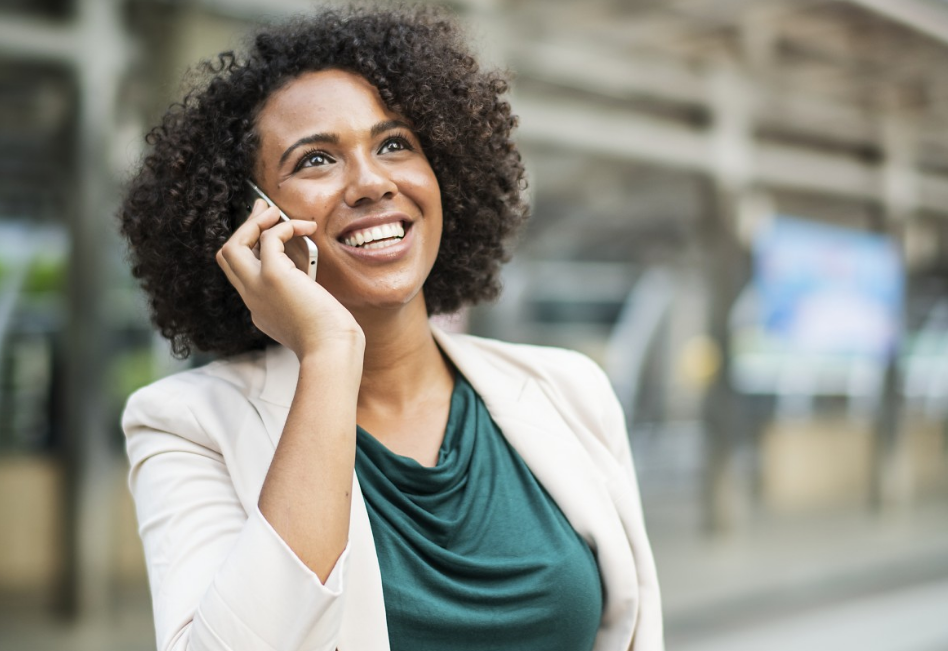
307 258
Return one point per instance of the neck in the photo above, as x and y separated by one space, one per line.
402 362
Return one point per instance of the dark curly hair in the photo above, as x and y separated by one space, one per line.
184 202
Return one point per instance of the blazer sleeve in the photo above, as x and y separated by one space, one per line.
649 629
221 578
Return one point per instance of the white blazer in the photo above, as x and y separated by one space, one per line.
200 444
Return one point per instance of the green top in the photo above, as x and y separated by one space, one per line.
474 553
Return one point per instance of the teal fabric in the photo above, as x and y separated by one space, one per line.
474 554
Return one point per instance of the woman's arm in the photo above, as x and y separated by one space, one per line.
306 495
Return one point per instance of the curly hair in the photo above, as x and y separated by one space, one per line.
184 202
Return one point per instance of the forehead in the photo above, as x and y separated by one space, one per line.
328 101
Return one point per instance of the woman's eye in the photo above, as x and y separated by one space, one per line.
395 144
314 159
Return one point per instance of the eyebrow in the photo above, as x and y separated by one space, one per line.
333 139
330 138
388 125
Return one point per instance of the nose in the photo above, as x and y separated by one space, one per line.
368 182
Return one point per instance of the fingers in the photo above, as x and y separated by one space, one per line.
229 272
261 218
273 241
240 250
259 243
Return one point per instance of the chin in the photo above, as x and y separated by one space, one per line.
390 301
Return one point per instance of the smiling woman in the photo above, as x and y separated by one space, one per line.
346 476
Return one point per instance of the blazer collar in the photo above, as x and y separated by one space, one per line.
500 391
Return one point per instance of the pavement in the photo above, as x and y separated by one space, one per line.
31 625
839 582
913 618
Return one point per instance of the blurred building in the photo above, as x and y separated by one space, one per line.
740 211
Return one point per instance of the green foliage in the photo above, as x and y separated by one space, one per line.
132 370
47 274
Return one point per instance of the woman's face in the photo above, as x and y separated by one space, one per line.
331 152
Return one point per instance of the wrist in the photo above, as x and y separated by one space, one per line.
345 349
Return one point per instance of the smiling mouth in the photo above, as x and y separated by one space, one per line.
376 237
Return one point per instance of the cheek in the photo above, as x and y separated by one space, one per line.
434 189
428 195
437 211
423 184
315 205
310 202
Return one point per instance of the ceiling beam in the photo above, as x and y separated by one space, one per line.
668 80
925 17
612 133
27 38
611 76
623 135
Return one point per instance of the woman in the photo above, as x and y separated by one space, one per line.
347 476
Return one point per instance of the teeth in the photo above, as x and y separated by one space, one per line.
380 245
366 236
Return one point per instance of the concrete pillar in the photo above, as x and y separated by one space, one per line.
731 95
99 59
892 482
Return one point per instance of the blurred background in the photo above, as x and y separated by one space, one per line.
740 211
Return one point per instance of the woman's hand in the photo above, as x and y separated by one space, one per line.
284 302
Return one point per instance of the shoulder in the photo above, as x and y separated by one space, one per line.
242 374
575 385
574 381
558 366
185 401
